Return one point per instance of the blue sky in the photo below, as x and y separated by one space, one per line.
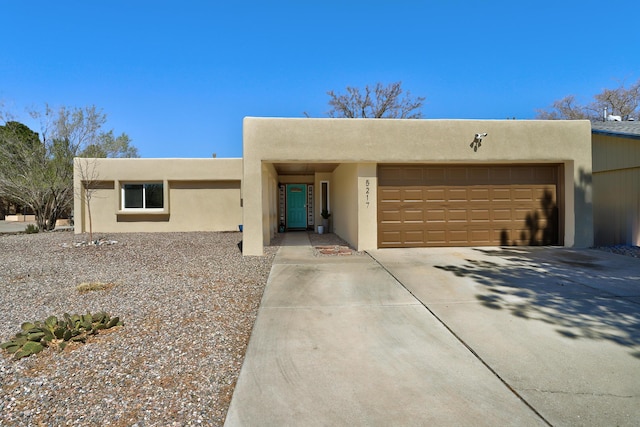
178 77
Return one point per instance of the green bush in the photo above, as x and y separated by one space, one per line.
57 333
31 229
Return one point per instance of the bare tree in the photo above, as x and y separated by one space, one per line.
33 173
564 109
36 170
375 102
621 101
89 184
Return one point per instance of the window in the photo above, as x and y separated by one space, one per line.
324 202
143 196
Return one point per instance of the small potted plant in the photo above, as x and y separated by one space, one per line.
325 219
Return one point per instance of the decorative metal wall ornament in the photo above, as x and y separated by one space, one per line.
477 141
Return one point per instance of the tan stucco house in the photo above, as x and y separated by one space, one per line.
616 182
152 195
386 183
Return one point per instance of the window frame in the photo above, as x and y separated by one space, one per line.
122 209
324 196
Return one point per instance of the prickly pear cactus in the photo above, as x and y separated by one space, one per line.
57 333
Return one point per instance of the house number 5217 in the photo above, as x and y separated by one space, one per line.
367 189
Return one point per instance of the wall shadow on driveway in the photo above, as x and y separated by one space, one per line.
577 293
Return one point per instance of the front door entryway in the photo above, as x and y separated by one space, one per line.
296 206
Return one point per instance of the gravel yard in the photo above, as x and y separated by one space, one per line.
188 302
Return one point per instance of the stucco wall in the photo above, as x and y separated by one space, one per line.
269 194
353 141
344 194
201 194
367 206
616 190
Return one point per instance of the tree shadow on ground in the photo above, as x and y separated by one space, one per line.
569 289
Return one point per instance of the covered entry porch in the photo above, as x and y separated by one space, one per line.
304 193
296 194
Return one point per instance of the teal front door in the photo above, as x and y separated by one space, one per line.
296 206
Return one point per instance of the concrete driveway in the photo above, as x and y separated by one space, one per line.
561 327
444 337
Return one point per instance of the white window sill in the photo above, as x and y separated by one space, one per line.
143 212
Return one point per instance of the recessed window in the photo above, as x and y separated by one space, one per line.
143 196
324 202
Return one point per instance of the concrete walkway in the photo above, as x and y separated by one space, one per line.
12 227
339 341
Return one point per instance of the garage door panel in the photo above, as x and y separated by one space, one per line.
458 237
391 239
435 215
480 215
390 216
501 215
479 194
545 193
456 175
500 194
457 215
413 174
482 235
436 175
468 205
414 237
521 214
457 195
500 175
546 174
523 195
436 237
522 236
391 174
435 194
500 235
390 195
413 216
522 174
479 175
412 195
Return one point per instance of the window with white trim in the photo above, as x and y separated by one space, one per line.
143 196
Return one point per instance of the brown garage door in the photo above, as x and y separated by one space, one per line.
426 205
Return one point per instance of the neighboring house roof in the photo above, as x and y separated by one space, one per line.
628 129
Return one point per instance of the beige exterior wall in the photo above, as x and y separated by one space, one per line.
367 206
616 190
344 204
358 144
269 196
200 194
354 214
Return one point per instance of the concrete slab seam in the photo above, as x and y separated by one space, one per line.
471 350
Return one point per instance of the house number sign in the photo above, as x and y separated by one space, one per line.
367 189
